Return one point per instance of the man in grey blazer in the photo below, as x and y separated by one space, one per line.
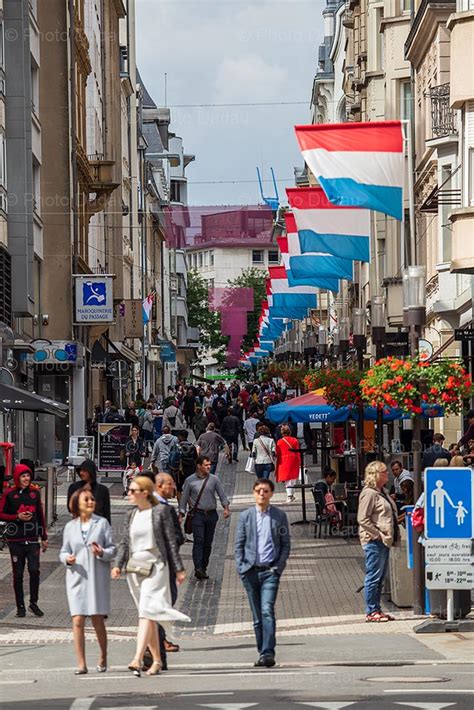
262 547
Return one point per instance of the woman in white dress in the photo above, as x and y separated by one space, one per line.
86 552
149 547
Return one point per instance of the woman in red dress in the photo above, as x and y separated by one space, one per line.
287 462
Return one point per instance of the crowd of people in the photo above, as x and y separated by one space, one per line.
173 451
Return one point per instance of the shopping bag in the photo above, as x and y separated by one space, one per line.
250 465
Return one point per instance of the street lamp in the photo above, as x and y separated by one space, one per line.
414 317
322 340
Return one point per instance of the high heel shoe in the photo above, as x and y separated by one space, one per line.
155 668
136 669
81 671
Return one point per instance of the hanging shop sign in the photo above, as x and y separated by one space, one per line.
133 318
57 352
94 299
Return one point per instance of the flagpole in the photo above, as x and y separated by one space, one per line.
407 137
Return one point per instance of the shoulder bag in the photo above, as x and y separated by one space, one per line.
188 522
142 568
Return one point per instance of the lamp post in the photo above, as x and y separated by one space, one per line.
360 343
378 336
414 317
344 335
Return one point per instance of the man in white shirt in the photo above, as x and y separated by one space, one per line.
250 429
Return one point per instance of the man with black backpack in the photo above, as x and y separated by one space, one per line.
164 450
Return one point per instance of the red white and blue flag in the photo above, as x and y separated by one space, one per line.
357 164
324 227
147 305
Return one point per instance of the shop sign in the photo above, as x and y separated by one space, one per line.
94 299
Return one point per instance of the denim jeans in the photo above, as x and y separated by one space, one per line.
376 565
263 470
262 588
204 527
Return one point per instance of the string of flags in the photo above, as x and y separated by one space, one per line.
359 168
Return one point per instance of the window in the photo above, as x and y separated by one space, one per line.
3 161
175 191
195 260
200 259
273 256
444 210
211 258
406 100
379 39
257 256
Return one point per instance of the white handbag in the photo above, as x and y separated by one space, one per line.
250 465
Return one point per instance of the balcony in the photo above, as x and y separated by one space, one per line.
348 15
102 174
443 118
462 256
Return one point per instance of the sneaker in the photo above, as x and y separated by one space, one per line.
20 612
34 608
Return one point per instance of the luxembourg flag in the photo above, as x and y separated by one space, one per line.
291 297
322 227
314 264
319 281
357 164
147 305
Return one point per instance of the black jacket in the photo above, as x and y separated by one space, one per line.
230 427
17 500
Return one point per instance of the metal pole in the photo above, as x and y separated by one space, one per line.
450 605
418 563
411 192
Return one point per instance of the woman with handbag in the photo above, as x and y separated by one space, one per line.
86 552
287 461
263 451
146 550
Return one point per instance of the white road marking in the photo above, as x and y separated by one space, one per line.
82 704
229 706
16 682
428 691
327 706
428 706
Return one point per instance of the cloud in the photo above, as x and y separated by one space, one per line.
232 51
249 78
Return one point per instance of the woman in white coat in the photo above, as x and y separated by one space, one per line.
87 551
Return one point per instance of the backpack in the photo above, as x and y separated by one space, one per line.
174 458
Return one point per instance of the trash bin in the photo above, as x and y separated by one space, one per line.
401 578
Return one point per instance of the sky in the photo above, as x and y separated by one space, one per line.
232 52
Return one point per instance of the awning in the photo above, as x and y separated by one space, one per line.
16 398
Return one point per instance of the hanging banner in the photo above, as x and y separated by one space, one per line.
112 440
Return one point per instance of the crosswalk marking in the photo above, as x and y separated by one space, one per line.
427 706
228 706
327 706
82 704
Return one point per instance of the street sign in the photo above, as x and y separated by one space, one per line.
464 334
450 576
448 552
449 503
94 299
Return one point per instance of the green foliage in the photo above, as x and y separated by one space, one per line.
199 315
252 278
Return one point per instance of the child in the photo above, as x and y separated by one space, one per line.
128 476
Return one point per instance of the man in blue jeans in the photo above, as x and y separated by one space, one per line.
262 547
199 496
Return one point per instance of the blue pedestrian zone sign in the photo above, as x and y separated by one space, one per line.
449 502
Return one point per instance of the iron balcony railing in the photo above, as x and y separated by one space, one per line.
443 118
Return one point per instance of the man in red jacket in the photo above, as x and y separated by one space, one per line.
21 508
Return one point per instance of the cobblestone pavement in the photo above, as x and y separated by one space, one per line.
317 592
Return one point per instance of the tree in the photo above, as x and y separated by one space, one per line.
199 315
255 279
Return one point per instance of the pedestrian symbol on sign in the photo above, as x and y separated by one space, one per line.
94 294
449 503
